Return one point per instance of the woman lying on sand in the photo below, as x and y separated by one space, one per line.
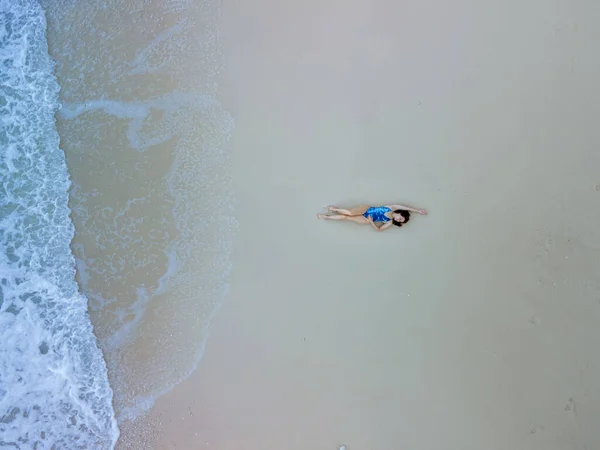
386 215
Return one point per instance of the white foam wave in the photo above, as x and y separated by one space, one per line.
54 391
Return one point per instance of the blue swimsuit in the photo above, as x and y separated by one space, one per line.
378 213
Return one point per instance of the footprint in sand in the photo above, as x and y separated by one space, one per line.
534 320
533 428
570 406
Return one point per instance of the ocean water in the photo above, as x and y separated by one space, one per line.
144 202
54 390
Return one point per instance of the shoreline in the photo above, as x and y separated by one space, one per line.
142 135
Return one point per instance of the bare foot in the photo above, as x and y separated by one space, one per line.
320 216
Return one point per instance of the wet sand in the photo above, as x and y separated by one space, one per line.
473 327
146 147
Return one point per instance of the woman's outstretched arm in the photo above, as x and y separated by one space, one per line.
407 208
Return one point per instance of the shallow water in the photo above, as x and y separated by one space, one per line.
146 143
149 194
54 391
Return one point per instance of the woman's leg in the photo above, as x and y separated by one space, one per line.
355 219
358 211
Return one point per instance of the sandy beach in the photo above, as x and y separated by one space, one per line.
474 327
165 282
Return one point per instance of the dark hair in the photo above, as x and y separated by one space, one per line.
404 213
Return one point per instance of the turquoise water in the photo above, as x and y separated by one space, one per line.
115 239
54 390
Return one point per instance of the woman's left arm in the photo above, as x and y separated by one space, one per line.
385 226
370 220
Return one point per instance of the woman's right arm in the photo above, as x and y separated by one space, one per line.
407 208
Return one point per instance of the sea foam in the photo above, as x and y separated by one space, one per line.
54 390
